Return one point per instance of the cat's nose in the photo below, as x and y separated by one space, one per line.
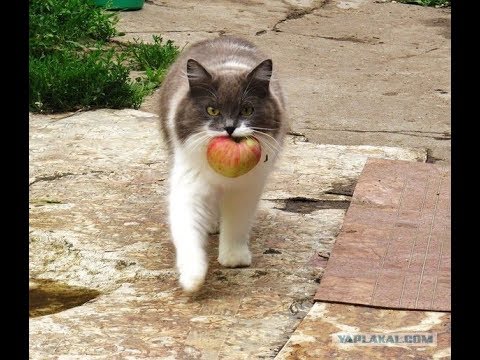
229 129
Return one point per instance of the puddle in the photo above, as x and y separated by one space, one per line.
49 297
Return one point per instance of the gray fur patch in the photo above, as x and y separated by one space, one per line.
227 74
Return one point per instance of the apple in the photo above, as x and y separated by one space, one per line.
233 157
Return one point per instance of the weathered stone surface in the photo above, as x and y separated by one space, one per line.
98 220
355 72
315 337
318 170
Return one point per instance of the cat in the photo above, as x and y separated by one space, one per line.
220 87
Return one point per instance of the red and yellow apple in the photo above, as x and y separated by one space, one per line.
233 157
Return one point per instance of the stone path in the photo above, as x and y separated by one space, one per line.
363 78
97 220
356 72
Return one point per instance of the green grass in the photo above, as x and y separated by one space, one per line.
67 81
152 56
427 2
59 24
154 59
74 66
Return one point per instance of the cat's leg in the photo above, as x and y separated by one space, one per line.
214 224
238 209
190 219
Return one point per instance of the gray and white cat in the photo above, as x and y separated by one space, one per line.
218 87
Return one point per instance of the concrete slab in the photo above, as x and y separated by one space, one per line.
355 72
98 221
317 337
358 72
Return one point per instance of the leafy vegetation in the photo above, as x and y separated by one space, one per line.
74 65
56 25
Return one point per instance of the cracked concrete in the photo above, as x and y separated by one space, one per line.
317 335
362 79
297 12
355 72
98 223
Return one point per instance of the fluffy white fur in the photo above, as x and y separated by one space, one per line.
200 199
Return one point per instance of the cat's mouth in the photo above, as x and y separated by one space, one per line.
236 139
239 132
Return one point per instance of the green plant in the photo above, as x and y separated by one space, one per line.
72 64
152 56
154 59
427 2
66 81
56 25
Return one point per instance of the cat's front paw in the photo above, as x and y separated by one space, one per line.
235 258
191 283
192 276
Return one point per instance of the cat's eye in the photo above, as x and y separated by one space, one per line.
212 111
247 111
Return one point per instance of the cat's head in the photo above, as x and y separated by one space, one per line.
229 102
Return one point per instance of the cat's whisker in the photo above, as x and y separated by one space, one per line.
261 128
268 140
266 145
273 150
196 141
262 135
193 138
198 134
270 136
267 136
194 147
200 143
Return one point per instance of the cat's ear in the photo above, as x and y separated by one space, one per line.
196 73
263 71
259 79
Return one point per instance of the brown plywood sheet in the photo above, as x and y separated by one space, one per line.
394 247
